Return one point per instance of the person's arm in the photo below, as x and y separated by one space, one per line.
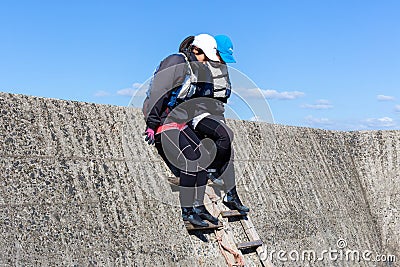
169 76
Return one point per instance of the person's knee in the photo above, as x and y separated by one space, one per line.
229 132
225 137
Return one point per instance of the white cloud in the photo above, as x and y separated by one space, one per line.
273 94
137 89
127 92
385 98
246 92
320 104
380 122
269 94
397 108
312 121
101 93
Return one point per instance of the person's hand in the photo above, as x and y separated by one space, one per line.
149 133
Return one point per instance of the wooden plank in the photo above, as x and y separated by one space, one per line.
250 244
232 213
224 234
252 234
263 257
191 227
248 227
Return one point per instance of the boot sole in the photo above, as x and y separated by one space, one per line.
199 225
233 207
216 222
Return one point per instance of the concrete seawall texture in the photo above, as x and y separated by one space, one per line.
79 186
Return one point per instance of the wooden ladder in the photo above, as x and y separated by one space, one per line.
231 250
217 208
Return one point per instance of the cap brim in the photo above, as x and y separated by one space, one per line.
227 58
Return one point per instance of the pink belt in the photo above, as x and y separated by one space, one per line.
170 126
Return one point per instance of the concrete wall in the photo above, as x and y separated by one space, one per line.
79 186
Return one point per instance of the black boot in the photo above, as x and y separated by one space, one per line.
232 201
189 215
205 215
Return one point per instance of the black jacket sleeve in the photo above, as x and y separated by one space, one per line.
169 75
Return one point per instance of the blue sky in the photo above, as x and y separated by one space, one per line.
321 63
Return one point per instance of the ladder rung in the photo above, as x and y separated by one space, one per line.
232 213
251 244
191 227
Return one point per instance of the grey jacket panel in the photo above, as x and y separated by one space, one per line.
169 75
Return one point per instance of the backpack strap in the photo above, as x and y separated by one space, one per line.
187 89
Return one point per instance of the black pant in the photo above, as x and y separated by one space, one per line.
183 153
215 129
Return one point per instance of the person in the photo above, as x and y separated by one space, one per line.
167 127
210 123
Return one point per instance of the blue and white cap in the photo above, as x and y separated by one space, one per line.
225 48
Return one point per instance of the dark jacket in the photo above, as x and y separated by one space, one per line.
168 77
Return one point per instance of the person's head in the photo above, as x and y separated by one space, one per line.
225 49
204 47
